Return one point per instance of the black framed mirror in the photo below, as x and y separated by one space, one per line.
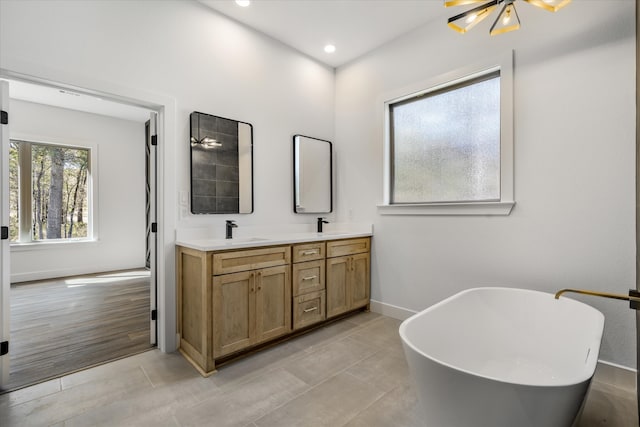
221 165
312 175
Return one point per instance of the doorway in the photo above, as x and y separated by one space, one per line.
68 294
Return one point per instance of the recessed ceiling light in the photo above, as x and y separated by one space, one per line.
243 3
329 48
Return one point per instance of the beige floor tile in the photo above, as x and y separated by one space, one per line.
326 361
122 367
326 335
241 404
29 393
169 369
384 370
138 407
257 364
398 408
609 406
57 407
363 317
331 403
382 333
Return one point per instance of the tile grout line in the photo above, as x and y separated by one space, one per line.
147 376
384 394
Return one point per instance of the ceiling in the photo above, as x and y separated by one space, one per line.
72 100
355 27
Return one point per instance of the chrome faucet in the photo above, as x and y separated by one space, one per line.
321 221
230 226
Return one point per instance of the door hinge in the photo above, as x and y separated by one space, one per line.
154 314
154 227
154 139
4 348
4 117
4 233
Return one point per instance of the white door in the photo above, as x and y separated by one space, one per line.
4 242
153 209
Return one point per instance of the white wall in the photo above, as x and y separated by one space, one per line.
573 224
119 193
181 52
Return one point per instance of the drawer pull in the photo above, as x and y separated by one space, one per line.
313 252
308 310
309 278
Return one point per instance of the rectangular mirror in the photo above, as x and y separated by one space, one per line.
312 175
221 165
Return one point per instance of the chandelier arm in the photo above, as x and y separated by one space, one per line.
474 10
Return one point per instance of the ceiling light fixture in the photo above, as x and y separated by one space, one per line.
243 3
329 48
507 19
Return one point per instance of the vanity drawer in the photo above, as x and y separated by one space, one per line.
308 277
252 259
337 248
308 251
308 309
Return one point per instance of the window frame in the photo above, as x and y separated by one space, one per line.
502 64
24 193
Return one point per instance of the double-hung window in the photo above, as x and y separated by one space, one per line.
449 146
49 192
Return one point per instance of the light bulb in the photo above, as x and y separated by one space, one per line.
507 17
329 48
243 3
471 18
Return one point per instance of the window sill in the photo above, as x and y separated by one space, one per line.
470 208
48 245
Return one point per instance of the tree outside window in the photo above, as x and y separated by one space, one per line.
53 195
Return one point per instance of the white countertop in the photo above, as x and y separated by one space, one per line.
216 244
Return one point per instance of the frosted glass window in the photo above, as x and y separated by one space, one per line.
445 145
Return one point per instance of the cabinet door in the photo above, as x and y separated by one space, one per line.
273 303
234 302
359 281
337 285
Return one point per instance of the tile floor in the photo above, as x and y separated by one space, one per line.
350 373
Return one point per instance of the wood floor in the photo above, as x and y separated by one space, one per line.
60 326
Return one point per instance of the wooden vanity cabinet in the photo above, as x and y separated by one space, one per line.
233 300
348 275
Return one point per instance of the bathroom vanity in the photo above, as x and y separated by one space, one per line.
238 295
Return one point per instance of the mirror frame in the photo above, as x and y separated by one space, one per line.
295 183
191 135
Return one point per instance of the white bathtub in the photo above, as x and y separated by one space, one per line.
501 357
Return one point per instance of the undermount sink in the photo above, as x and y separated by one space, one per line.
334 233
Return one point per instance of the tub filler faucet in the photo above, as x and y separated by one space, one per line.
321 221
633 297
230 226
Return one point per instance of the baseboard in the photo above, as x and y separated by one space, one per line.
616 375
390 310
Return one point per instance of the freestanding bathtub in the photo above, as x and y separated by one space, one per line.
502 357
